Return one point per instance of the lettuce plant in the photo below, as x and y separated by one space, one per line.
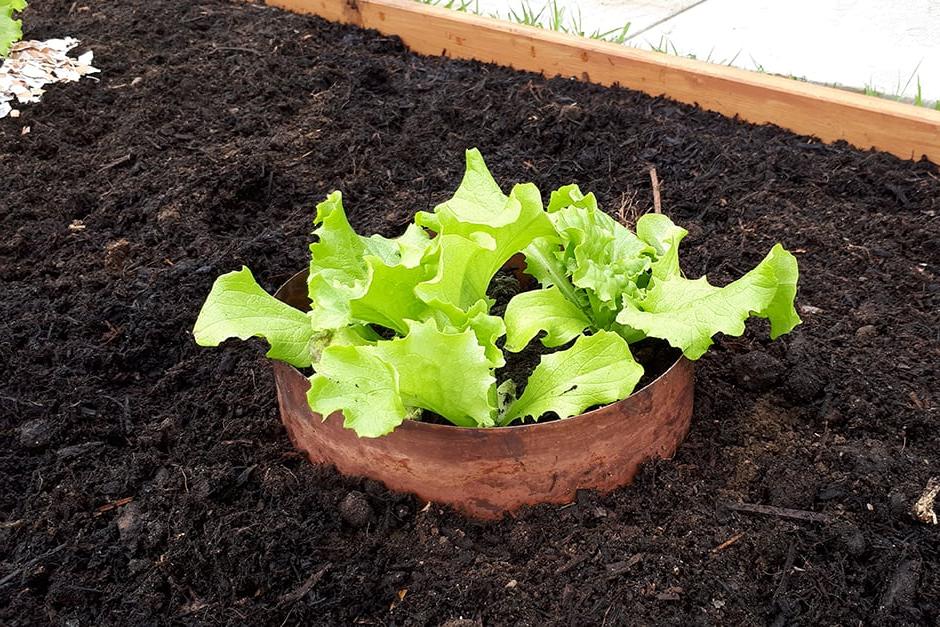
399 326
11 30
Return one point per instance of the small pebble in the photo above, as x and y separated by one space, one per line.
355 509
869 330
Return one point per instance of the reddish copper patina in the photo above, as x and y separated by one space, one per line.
485 473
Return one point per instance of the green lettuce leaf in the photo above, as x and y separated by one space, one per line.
545 257
389 297
352 335
378 386
598 369
571 196
356 381
663 236
530 313
427 361
492 227
238 307
688 313
486 327
601 255
11 30
350 275
599 261
460 280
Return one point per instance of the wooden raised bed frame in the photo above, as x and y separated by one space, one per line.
829 114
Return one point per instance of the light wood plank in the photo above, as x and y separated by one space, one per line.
829 114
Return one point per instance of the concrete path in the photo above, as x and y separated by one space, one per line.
884 45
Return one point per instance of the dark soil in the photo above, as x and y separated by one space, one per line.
144 480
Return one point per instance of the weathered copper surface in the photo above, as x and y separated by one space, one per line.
485 473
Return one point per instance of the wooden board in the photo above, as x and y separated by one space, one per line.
829 114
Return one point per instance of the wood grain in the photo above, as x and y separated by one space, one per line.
826 113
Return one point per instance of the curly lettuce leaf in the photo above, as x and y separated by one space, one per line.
598 369
359 383
481 214
599 261
545 257
663 236
11 30
238 307
531 313
350 275
427 361
389 297
688 313
601 255
379 386
570 196
460 280
486 327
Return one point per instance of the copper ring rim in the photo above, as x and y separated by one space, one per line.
588 415
283 294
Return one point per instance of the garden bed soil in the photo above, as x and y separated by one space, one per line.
144 480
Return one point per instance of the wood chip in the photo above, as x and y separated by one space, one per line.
923 508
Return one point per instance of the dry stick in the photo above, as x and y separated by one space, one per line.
113 505
782 512
785 575
120 161
724 545
657 200
306 586
29 564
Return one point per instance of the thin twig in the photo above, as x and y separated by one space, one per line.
785 575
657 199
782 512
120 161
235 49
107 507
29 564
724 545
306 586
